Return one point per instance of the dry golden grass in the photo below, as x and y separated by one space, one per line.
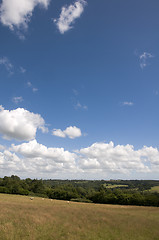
25 219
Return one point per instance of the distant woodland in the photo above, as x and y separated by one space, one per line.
123 192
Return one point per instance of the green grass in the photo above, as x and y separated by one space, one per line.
155 189
25 219
114 185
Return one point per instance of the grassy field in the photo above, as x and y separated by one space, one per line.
155 189
22 219
114 186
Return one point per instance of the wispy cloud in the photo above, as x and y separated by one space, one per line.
71 132
75 92
34 89
17 99
7 64
144 57
22 70
68 15
78 105
11 69
2 147
29 84
127 103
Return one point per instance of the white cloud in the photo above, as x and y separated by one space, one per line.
58 133
17 13
22 70
7 64
31 86
78 105
2 147
68 15
17 99
1 108
38 158
44 129
96 161
33 149
19 124
34 89
75 92
117 159
10 162
71 132
127 103
144 58
150 154
34 159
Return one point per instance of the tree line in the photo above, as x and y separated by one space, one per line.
123 192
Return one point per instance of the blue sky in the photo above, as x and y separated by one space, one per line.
79 89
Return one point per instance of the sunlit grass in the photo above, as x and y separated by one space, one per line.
22 219
155 189
114 185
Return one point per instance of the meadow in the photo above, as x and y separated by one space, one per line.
155 189
46 219
114 186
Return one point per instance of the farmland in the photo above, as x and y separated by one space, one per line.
114 186
155 189
22 218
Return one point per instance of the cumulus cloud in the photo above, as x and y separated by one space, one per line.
96 161
71 132
7 64
9 161
37 157
116 159
33 149
17 99
68 15
14 13
20 124
58 133
144 57
150 154
34 159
